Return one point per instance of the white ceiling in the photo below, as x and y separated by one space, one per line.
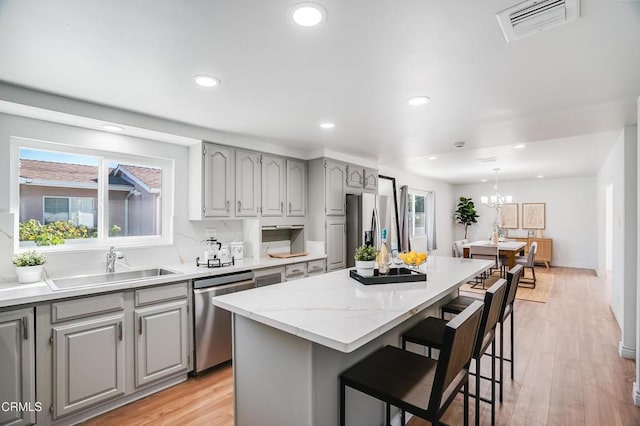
357 69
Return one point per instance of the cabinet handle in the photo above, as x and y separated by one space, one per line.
25 328
281 206
228 206
289 208
139 325
239 206
120 331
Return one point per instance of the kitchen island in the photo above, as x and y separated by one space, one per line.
292 340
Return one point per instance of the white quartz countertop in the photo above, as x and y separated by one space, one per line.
337 311
15 294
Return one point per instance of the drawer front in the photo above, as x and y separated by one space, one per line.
147 296
88 306
295 271
315 267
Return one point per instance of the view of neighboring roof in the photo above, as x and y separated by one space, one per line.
151 177
65 172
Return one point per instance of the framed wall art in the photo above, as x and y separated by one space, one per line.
533 215
508 216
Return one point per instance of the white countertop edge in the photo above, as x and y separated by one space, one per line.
25 294
351 346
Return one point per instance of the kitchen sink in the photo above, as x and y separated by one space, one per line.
66 283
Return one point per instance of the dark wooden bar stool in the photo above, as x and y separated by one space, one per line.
429 333
458 304
414 383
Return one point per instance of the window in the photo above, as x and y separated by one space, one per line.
417 217
78 210
90 197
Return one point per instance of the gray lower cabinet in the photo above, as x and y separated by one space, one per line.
88 363
336 237
161 344
17 366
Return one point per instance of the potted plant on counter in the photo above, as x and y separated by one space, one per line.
365 260
29 266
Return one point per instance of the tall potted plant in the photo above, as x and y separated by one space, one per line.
466 213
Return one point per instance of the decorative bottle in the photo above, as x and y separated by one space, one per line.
384 255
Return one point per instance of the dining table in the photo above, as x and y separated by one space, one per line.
508 249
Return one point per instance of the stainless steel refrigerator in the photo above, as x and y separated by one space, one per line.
363 223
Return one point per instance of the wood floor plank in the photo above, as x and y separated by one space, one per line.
567 370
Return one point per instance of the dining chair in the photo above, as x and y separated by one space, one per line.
414 383
429 333
528 261
488 253
458 250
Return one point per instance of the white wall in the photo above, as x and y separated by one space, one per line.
620 171
570 215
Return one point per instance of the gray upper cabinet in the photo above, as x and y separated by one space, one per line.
371 180
161 345
296 188
17 366
88 362
247 184
335 191
273 186
355 176
218 180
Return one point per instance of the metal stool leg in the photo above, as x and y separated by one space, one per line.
501 358
478 390
466 404
513 359
388 414
493 382
342 403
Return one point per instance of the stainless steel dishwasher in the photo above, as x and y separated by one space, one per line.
212 325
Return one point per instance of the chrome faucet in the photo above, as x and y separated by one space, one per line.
112 256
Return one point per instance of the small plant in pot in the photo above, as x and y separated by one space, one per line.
29 266
365 260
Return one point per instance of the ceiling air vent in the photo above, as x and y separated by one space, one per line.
532 16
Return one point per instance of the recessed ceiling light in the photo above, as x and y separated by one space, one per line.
419 100
308 14
519 146
112 128
206 81
540 176
483 180
327 125
433 157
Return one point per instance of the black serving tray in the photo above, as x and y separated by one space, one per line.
395 276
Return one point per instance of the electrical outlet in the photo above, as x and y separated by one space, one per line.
210 233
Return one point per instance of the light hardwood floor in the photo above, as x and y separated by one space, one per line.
568 371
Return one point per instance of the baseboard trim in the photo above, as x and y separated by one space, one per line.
627 353
636 394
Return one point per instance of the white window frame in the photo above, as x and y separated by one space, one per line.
104 157
419 193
